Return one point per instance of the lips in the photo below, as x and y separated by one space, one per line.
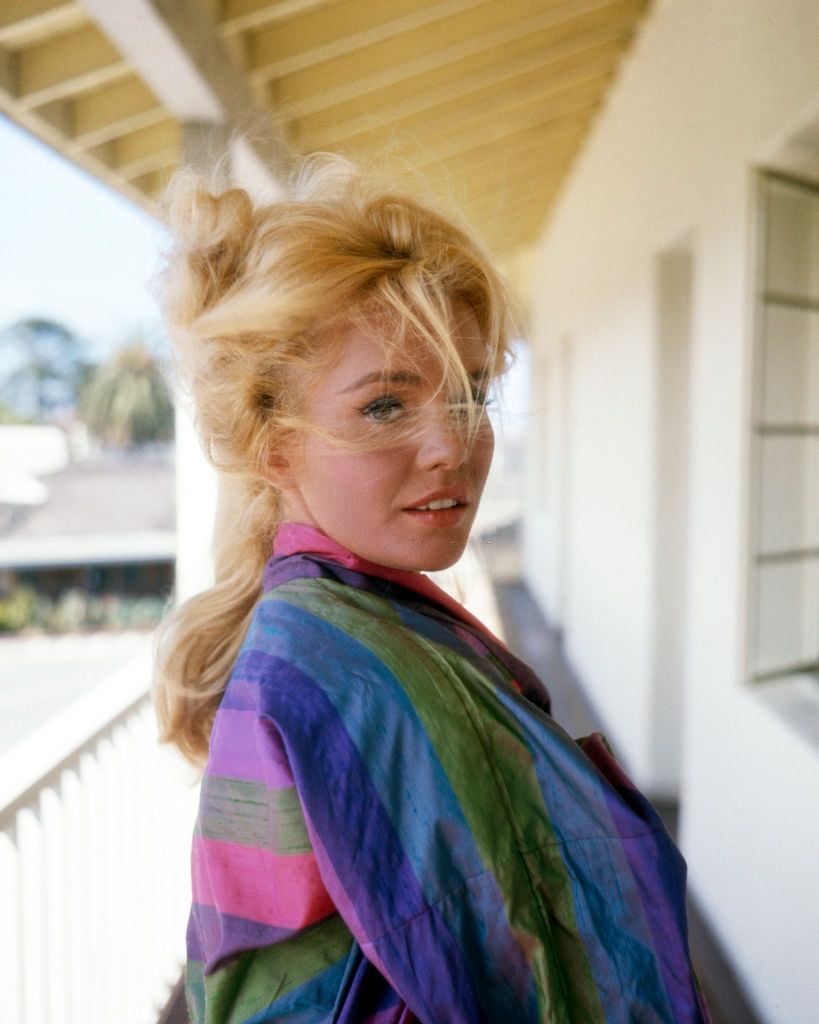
452 516
444 494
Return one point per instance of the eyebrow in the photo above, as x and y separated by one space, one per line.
401 377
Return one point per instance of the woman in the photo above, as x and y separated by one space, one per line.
391 828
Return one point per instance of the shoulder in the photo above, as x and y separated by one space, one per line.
311 635
328 599
305 616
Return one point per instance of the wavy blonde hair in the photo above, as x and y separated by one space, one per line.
254 296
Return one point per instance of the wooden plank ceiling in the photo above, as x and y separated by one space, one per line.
490 100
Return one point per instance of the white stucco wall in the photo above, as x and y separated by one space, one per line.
711 91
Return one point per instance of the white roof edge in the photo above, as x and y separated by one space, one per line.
87 549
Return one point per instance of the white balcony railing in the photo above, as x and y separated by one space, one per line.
95 824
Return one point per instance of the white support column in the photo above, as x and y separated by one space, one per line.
206 150
177 51
202 495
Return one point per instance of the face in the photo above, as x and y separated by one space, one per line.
384 502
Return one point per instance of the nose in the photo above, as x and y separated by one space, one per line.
441 443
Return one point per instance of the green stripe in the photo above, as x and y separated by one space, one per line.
453 698
246 812
258 978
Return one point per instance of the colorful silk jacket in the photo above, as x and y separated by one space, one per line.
392 828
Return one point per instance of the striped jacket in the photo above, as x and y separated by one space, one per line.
392 828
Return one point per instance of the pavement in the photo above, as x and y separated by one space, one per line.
40 675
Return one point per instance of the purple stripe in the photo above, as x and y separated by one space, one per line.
212 935
431 974
292 567
391 1015
659 873
365 996
234 750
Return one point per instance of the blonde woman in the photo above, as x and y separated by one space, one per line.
392 828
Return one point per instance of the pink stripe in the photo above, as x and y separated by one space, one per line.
285 891
245 746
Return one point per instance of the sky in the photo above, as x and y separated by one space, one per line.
72 249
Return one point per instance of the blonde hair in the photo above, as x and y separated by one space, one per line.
253 296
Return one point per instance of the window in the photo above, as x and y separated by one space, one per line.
785 540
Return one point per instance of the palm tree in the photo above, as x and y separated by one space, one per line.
126 402
43 366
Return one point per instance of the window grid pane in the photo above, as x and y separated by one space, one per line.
785 557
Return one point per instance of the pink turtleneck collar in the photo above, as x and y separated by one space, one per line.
299 538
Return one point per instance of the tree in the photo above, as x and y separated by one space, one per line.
43 366
126 402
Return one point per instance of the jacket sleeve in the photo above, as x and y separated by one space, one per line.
264 934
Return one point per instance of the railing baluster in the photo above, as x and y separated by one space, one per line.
11 968
55 885
77 894
34 924
95 820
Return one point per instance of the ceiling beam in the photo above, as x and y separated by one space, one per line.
153 183
502 190
145 150
555 132
565 112
528 152
339 81
524 208
501 178
544 61
64 65
7 75
24 21
506 210
176 49
116 110
243 15
305 42
500 107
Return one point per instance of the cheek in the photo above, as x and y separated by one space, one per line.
352 476
484 450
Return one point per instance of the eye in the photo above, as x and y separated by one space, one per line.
383 409
480 396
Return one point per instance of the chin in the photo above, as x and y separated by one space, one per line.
439 562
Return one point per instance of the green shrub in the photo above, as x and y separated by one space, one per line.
17 609
22 608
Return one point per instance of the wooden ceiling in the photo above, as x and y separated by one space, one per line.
488 100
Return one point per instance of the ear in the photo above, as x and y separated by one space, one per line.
280 474
282 466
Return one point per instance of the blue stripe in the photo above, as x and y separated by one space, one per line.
611 921
303 1004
